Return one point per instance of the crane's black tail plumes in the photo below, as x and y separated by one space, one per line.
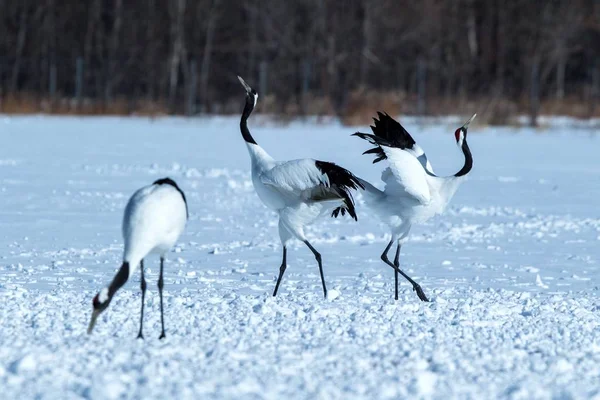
386 132
342 182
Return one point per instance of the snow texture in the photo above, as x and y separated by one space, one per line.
511 268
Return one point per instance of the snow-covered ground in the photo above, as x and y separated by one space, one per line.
512 269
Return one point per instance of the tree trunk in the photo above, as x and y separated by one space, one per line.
206 55
305 85
263 77
421 87
534 94
112 51
191 90
21 37
79 81
501 39
252 13
331 67
561 67
88 46
594 88
53 78
150 55
176 51
472 31
367 39
99 34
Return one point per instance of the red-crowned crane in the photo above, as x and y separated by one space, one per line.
412 193
300 191
154 218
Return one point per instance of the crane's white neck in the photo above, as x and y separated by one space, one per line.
135 250
448 187
261 160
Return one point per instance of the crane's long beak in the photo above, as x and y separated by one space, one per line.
95 314
246 86
466 125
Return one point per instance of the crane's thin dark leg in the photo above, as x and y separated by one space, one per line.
318 258
397 265
143 286
161 284
281 270
415 285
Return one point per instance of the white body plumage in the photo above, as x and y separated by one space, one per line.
400 209
154 218
297 190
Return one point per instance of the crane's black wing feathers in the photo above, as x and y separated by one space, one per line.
343 182
386 132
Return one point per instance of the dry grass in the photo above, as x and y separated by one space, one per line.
363 105
360 107
25 103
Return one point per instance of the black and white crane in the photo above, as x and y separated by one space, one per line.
413 193
300 191
154 218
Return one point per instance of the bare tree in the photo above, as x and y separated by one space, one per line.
20 45
113 49
367 33
304 50
208 45
177 48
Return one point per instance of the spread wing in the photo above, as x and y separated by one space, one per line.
389 132
312 180
405 176
408 168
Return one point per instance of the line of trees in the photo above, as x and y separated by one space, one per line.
307 56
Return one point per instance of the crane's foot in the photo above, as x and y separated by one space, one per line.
420 292
162 336
140 336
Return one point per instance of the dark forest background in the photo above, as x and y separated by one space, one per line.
305 57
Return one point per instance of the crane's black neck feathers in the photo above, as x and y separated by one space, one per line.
386 132
117 282
171 182
468 160
343 182
119 279
244 121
